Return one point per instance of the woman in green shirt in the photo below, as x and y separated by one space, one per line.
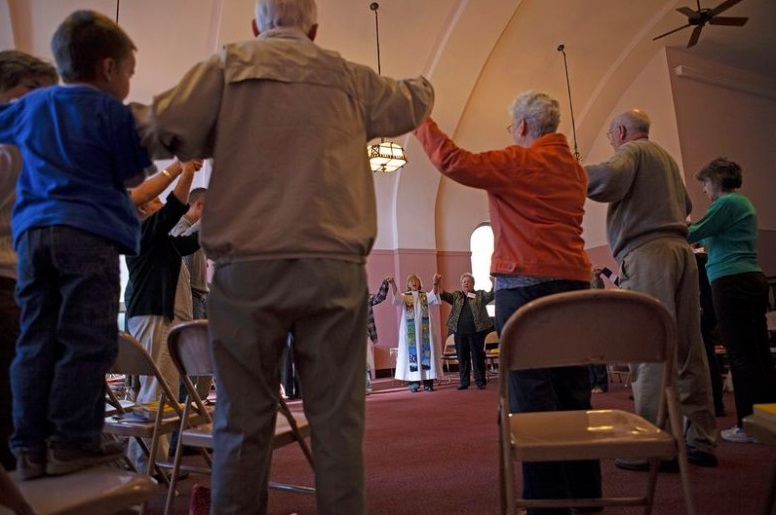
739 288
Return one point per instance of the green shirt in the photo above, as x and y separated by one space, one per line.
729 231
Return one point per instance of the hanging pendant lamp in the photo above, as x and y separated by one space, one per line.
385 156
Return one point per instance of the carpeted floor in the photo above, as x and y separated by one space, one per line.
436 453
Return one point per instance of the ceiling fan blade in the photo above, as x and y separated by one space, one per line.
728 20
724 6
686 11
671 32
696 34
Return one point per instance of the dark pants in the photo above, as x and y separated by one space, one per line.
740 302
68 291
552 389
471 350
708 326
9 332
599 376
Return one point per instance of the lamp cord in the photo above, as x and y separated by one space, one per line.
375 6
118 4
561 49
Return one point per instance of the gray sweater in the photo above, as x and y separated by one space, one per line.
646 195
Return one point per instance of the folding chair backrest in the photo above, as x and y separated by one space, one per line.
449 345
134 360
588 326
189 347
491 340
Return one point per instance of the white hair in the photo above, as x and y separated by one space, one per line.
270 14
540 111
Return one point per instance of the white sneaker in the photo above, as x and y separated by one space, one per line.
736 434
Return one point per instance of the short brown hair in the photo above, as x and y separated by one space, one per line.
723 173
83 40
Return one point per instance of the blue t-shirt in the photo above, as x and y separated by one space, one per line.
79 147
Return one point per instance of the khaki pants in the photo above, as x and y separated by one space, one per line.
666 269
252 306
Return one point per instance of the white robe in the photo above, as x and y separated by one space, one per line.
402 359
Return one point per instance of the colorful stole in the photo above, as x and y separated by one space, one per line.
425 340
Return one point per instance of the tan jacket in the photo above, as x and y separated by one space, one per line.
287 125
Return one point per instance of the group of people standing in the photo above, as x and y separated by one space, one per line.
537 184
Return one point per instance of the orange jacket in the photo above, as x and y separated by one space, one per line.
536 197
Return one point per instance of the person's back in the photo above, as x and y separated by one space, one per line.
289 221
647 202
71 220
647 234
80 162
327 109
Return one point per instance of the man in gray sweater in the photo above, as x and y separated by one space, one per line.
647 232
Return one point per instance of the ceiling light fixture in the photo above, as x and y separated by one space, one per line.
385 156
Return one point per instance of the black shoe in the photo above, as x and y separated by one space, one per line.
643 465
429 388
701 458
463 387
481 386
414 387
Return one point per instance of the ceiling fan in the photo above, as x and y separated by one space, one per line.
700 17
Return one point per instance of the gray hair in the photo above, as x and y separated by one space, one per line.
300 14
465 275
635 120
540 111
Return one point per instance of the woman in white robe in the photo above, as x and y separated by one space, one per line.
418 356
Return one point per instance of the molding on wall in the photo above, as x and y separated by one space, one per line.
746 83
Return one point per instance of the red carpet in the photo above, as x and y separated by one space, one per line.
436 453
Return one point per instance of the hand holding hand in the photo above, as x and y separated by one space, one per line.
192 166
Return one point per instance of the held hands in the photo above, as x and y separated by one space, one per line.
192 166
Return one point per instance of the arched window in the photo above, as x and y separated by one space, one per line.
481 245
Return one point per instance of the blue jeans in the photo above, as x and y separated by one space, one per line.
550 389
68 291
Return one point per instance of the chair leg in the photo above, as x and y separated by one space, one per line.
174 476
675 420
771 495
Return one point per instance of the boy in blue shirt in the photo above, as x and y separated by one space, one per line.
72 219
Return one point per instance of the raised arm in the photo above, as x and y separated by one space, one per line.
156 184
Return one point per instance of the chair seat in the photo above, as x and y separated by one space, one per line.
93 491
128 425
594 434
202 436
